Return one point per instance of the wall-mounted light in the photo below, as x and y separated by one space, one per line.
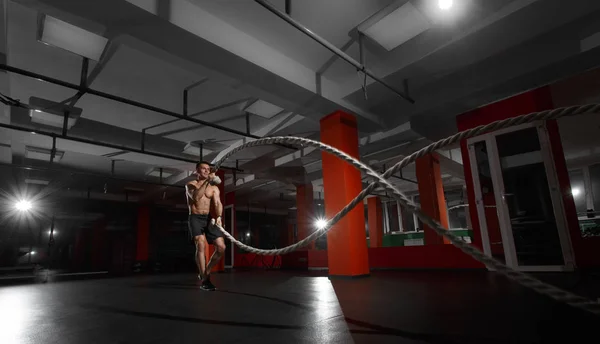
321 223
23 205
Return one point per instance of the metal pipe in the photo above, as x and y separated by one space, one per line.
91 174
121 99
143 139
361 49
84 71
215 108
65 123
185 102
53 151
330 46
248 123
101 144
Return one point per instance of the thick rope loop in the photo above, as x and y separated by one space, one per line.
521 278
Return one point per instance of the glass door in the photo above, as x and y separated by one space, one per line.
522 186
485 199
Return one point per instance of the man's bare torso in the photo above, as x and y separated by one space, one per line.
203 194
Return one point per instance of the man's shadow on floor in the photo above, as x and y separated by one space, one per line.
367 328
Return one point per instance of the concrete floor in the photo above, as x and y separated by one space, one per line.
291 307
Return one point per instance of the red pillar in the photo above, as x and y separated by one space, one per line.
431 193
346 250
305 212
143 234
220 266
375 218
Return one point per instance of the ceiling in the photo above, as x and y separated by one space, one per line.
230 54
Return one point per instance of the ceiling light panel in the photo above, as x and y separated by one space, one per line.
263 109
69 37
398 27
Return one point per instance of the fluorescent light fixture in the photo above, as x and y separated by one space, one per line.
576 192
166 173
71 38
263 109
42 154
194 149
393 26
37 181
51 113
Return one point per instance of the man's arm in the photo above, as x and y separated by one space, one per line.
216 200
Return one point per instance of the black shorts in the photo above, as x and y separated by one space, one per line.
200 225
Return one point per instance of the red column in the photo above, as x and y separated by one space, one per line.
431 194
143 234
346 250
305 212
211 248
375 218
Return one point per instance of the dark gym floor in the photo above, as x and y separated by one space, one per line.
291 307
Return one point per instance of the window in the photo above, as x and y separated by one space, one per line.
393 218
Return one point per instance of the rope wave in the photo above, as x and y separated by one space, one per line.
406 204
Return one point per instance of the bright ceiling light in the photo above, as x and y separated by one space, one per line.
69 37
23 205
321 223
445 4
576 192
394 26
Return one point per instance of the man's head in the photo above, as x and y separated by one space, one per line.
203 169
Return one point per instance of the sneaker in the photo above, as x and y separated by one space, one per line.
207 285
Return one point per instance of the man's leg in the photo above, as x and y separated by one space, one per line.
218 254
200 242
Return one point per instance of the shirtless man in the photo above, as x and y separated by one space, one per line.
201 194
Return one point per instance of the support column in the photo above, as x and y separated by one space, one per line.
211 248
346 250
375 219
431 193
142 251
305 212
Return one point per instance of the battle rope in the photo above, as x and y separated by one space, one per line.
521 278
